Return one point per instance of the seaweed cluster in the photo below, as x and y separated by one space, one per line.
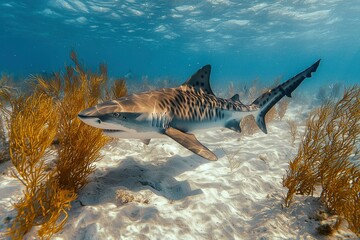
326 158
33 126
46 117
6 90
329 93
293 130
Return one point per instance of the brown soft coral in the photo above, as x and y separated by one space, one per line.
324 158
33 126
35 121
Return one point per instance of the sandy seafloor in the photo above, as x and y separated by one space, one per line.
179 195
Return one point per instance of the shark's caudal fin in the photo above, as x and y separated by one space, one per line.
271 97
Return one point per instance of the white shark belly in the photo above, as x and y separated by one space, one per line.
191 126
143 129
134 135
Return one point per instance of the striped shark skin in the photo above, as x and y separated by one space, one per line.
178 112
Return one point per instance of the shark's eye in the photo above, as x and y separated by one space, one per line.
116 114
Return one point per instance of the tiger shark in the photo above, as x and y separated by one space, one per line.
178 112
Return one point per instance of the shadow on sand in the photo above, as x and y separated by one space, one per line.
136 176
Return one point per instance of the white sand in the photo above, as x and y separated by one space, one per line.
179 195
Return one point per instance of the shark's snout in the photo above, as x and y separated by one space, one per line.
91 116
84 116
88 113
101 117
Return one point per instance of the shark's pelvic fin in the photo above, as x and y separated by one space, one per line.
234 125
200 80
267 100
190 142
145 141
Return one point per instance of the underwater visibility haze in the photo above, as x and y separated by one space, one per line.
242 40
287 168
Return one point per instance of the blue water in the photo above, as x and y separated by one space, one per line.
243 40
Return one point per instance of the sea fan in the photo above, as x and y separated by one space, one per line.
324 158
35 122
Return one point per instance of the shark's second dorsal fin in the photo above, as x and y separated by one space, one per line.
200 80
190 142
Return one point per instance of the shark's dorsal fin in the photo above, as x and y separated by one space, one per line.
235 98
190 142
200 80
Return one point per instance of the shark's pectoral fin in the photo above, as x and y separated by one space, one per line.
190 142
234 125
145 141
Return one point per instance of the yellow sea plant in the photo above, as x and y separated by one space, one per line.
282 108
6 91
35 121
325 158
118 89
33 126
79 144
